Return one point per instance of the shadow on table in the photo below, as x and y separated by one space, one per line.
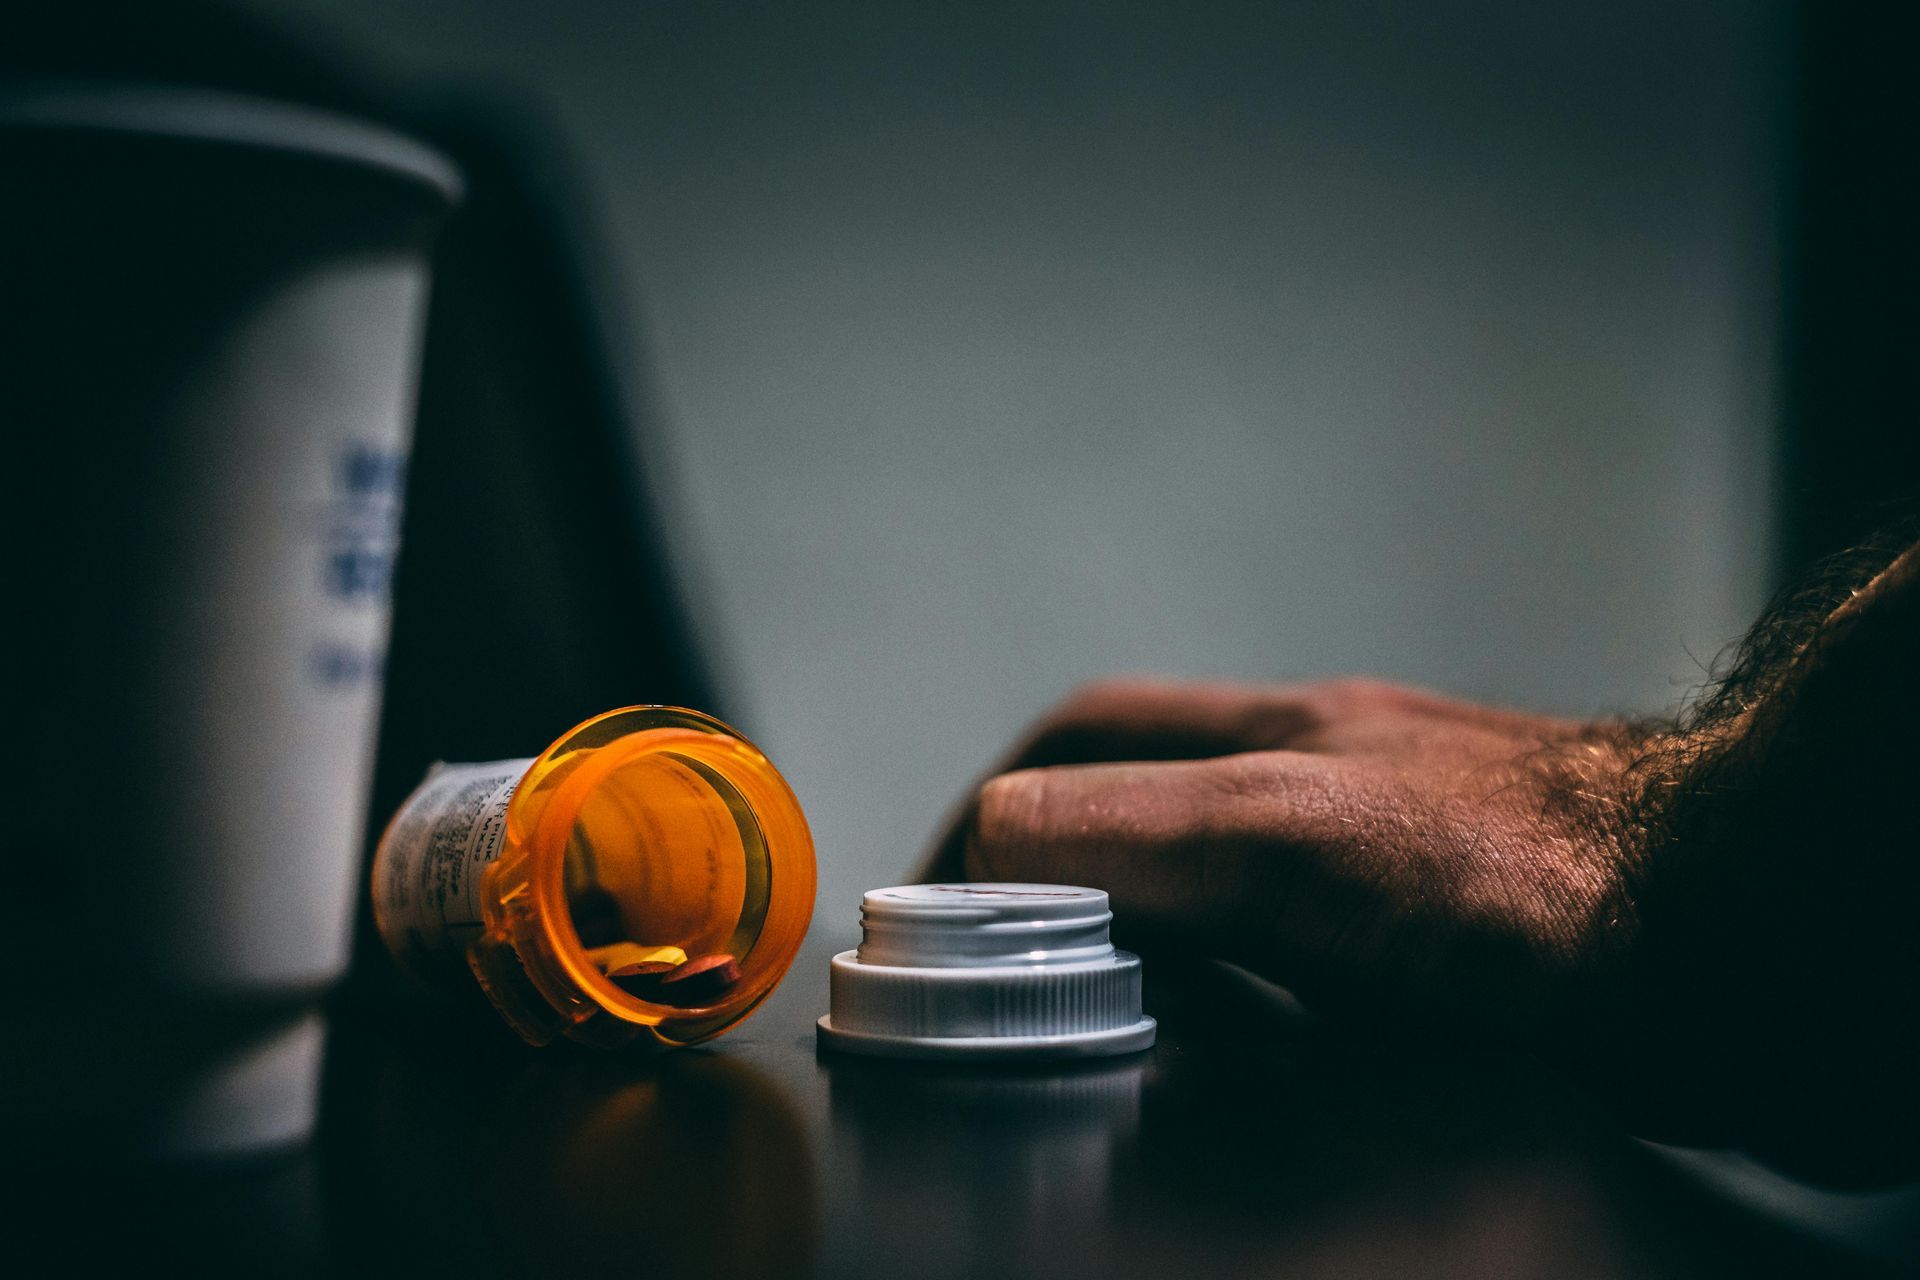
456 1151
1256 1142
448 1149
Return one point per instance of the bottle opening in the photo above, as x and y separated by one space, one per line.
668 881
670 866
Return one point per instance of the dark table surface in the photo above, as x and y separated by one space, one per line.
1252 1140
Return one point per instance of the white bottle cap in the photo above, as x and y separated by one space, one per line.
986 971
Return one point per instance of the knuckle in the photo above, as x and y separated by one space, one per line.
1293 717
1008 808
1062 735
1234 798
1353 693
1326 705
1096 698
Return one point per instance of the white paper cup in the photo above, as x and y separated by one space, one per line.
212 312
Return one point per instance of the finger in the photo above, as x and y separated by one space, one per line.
1143 718
1146 718
1139 718
1188 847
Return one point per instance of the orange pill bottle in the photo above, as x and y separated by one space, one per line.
647 880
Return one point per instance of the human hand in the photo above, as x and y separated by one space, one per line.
1650 908
1373 847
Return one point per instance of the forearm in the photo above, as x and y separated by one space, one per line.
1780 913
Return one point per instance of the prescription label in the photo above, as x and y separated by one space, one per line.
427 873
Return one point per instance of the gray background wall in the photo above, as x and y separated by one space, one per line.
1005 345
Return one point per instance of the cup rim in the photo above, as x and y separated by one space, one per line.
216 116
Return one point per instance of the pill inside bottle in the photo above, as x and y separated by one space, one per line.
647 880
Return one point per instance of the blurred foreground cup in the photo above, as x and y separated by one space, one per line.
210 326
